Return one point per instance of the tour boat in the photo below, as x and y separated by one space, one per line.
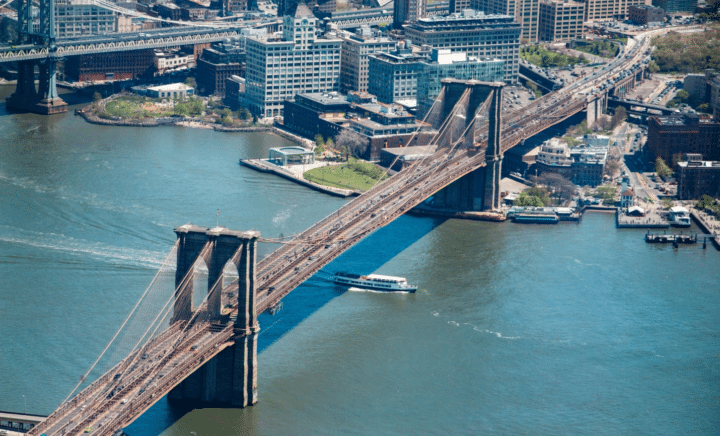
374 281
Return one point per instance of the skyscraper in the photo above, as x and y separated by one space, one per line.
408 11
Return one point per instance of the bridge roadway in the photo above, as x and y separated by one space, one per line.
181 349
160 38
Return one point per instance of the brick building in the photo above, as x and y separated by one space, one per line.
697 178
643 14
111 66
686 133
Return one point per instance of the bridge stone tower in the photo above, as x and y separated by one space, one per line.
44 100
480 189
231 376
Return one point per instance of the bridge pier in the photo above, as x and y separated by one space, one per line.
231 376
595 108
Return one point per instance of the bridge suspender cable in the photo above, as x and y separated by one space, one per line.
82 379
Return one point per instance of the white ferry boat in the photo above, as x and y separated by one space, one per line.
374 281
679 217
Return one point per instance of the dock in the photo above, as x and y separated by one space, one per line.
673 238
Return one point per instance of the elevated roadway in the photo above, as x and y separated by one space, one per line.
113 402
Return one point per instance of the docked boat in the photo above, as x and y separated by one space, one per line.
536 218
374 281
679 217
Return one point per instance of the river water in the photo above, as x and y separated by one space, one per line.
566 329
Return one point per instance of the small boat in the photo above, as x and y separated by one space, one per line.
374 281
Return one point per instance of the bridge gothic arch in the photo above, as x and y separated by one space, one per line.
231 376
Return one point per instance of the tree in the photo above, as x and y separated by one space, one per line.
227 121
354 143
677 157
618 117
528 200
667 203
653 67
563 188
190 81
181 109
661 168
612 167
319 142
682 95
97 96
196 107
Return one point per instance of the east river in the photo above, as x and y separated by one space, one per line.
566 329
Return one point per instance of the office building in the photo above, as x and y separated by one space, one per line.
609 9
278 67
561 21
444 63
675 6
356 47
394 76
525 12
475 33
81 18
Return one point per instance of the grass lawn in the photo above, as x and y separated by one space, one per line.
357 176
135 107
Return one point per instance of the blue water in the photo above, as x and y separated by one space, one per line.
566 329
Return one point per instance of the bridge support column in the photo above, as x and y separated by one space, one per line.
493 154
231 376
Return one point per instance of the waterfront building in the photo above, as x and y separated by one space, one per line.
393 76
234 88
560 21
111 66
216 66
444 63
697 177
383 125
285 156
683 133
583 165
644 14
281 66
609 9
356 49
627 198
674 6
314 113
408 11
475 33
172 90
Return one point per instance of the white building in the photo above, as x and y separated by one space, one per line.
278 67
169 62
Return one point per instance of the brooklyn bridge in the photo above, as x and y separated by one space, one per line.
209 353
